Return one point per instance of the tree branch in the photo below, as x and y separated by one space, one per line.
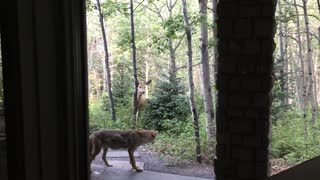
292 4
291 37
314 35
158 12
138 5
310 15
178 44
185 66
169 9
174 4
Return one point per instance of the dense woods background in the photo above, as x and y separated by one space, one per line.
174 45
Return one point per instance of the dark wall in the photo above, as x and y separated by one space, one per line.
245 77
45 89
3 148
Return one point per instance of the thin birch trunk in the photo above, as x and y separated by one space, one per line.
294 65
318 2
172 64
106 60
134 65
286 64
302 73
203 5
90 59
318 55
281 52
215 48
147 59
147 78
311 77
193 107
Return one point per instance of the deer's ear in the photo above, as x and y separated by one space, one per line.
148 82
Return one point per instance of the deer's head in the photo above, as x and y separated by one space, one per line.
142 87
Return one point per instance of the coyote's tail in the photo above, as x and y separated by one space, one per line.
91 145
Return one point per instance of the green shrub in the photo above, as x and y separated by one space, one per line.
168 107
289 141
181 146
100 117
122 89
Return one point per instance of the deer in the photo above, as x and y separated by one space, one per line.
141 97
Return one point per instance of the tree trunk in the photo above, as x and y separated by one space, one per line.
281 55
147 59
106 60
193 107
318 51
311 76
286 63
215 48
203 5
304 98
172 64
318 2
294 64
134 65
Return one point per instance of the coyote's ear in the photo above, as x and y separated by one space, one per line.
148 82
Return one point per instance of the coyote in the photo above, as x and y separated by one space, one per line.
119 139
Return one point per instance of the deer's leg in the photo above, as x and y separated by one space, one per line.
104 156
132 160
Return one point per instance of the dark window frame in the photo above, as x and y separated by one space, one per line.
45 88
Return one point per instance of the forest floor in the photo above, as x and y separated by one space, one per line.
154 162
278 165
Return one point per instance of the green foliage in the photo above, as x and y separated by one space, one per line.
289 142
287 15
89 5
179 147
173 29
124 39
167 109
114 8
109 8
199 102
176 147
158 43
122 88
277 108
173 25
278 94
100 118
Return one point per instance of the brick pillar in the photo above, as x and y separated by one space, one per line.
245 30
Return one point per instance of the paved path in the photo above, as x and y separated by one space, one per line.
121 170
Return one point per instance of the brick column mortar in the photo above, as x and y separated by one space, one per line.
246 30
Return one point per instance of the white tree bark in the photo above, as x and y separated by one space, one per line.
106 64
311 76
303 72
203 5
192 103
